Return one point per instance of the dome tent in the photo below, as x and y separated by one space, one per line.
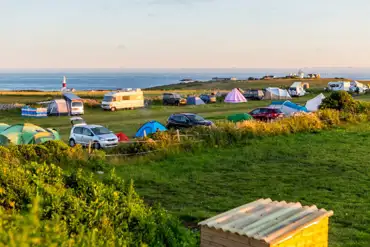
235 96
273 93
26 134
150 128
239 117
287 107
192 100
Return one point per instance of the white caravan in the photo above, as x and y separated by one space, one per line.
358 87
296 89
127 99
339 86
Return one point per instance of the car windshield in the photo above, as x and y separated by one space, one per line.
195 118
100 131
108 98
76 104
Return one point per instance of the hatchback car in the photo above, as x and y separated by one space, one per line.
96 135
173 99
266 114
186 120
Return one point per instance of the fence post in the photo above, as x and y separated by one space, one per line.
178 134
144 133
89 148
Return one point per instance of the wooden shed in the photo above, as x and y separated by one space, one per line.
267 223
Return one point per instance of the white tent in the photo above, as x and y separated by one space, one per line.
313 104
58 107
235 96
273 93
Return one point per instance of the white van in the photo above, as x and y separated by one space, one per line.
128 99
296 89
339 86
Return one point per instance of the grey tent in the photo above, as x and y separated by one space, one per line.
58 107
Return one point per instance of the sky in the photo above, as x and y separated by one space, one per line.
184 33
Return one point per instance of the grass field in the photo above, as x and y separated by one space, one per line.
329 169
130 121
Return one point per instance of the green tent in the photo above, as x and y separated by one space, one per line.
3 127
26 134
239 117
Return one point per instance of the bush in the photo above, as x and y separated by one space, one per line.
74 209
341 101
329 117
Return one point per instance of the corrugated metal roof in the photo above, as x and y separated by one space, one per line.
267 220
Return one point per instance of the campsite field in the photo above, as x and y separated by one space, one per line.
329 169
129 121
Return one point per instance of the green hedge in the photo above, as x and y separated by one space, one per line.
75 209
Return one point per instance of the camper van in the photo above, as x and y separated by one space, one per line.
75 104
339 86
296 89
127 99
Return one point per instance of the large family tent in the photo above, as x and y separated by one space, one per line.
240 117
192 100
287 107
274 93
235 96
314 104
3 127
150 128
26 134
58 107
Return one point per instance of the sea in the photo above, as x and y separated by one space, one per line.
51 80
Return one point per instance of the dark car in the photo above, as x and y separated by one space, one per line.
266 114
208 98
254 94
173 99
186 120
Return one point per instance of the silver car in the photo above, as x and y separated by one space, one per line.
95 135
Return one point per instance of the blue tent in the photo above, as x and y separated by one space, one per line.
191 100
150 128
287 107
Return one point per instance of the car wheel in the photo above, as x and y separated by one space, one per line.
113 109
72 143
96 145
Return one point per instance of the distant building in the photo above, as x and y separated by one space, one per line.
301 74
313 76
268 77
224 79
186 80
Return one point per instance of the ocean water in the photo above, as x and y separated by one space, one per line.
110 80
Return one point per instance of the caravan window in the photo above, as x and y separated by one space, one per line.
77 104
109 99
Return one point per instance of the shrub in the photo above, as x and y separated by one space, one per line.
73 209
341 101
329 117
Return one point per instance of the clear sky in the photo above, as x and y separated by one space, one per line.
184 33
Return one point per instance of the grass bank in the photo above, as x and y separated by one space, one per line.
329 169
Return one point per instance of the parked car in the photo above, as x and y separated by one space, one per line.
173 99
254 94
96 135
208 98
266 114
186 120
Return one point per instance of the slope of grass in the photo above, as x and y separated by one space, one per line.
257 84
329 169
